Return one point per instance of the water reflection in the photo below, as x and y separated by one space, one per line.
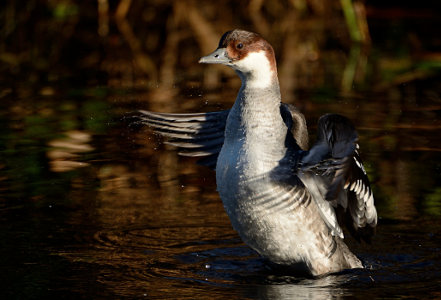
289 288
64 152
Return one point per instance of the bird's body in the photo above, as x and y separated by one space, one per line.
266 201
280 197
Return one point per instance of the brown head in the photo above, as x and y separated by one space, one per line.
248 53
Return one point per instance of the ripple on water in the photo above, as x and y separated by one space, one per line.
223 264
158 257
161 261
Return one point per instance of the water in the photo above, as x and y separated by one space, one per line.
92 207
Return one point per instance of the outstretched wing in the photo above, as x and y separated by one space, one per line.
336 169
195 134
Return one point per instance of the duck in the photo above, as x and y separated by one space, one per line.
287 201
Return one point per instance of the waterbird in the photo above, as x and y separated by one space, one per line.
287 201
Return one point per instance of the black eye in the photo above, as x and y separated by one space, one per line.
239 46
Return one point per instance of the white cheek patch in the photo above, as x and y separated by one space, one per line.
257 69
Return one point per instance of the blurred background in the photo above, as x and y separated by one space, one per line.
93 206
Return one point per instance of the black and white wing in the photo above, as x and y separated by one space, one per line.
195 134
335 167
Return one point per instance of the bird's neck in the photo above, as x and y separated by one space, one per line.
255 116
259 98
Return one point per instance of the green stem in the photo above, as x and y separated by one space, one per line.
351 20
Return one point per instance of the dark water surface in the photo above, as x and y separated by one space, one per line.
92 207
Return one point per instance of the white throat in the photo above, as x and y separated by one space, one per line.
255 70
